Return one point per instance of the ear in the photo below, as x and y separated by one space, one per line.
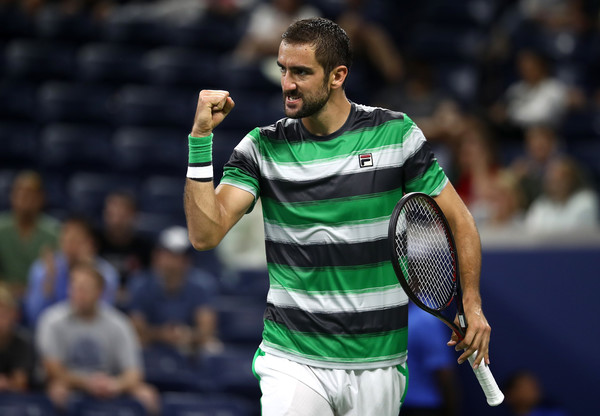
338 76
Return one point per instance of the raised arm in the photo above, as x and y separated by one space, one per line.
210 213
468 245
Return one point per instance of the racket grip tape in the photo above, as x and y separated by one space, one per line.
492 392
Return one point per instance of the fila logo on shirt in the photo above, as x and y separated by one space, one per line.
365 160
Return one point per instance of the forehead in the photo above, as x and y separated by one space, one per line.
297 54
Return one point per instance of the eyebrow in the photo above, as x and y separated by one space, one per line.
298 67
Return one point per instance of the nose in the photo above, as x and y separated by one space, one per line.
287 83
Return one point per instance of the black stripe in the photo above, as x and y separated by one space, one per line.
325 255
340 186
339 323
417 164
243 162
292 130
199 165
201 179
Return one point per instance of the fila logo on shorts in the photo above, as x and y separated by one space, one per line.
365 160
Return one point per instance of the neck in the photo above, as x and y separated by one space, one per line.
331 117
25 223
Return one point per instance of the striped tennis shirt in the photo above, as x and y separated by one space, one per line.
334 300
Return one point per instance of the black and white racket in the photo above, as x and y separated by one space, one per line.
425 260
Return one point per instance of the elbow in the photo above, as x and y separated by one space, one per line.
202 243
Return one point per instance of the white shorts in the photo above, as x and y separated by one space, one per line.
293 389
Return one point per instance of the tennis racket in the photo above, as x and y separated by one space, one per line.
425 260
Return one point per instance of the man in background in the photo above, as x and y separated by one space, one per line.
88 346
24 231
49 275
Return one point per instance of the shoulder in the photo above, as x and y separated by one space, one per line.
55 314
114 317
285 129
6 220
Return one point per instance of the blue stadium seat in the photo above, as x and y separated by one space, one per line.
212 33
150 151
122 406
17 100
151 224
253 109
144 105
68 147
53 23
86 191
459 81
15 23
240 320
71 102
25 405
182 66
18 145
182 404
247 76
443 45
39 60
168 370
231 371
163 195
6 180
251 283
106 62
143 32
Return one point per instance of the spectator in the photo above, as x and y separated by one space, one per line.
565 205
524 396
267 22
536 98
120 244
16 351
171 304
24 231
432 390
541 147
89 346
49 275
477 167
506 203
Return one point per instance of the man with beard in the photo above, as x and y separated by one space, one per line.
328 175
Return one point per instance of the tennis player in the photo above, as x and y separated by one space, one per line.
329 175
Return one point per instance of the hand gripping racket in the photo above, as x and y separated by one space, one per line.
426 264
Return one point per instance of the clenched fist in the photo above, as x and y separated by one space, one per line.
213 107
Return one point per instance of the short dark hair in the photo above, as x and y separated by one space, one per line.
331 43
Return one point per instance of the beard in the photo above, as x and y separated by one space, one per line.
310 104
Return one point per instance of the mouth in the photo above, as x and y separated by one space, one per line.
292 99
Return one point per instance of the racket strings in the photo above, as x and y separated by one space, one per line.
425 254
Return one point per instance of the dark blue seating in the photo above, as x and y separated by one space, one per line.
39 60
144 105
105 62
168 370
240 320
231 371
150 151
25 405
6 180
69 147
17 100
86 191
163 195
18 145
71 102
182 66
182 404
122 406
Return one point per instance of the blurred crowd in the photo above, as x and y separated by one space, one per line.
506 91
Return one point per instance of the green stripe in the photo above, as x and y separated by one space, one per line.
332 211
430 182
352 279
308 151
258 353
337 348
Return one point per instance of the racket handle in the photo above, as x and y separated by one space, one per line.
488 383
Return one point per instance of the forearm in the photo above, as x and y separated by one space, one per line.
128 380
468 245
204 215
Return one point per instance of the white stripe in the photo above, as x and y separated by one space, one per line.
200 172
332 303
383 157
328 234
